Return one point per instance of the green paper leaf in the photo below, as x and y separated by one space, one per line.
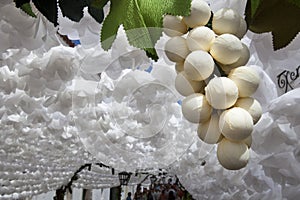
96 13
142 21
254 6
25 6
281 17
28 10
19 3
295 2
96 9
48 8
73 9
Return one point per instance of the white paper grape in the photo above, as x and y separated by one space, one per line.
236 124
209 131
246 79
200 38
243 60
252 106
186 86
179 67
221 92
199 65
200 14
195 108
176 49
242 29
226 49
227 20
174 25
232 155
248 141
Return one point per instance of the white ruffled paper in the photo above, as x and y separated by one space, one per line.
18 30
282 65
129 118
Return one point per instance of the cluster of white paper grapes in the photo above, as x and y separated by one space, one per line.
221 105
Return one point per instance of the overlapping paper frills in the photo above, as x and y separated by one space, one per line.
62 107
